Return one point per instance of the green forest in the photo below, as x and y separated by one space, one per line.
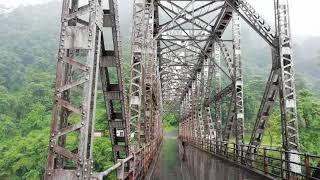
28 48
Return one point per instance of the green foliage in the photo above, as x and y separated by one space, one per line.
24 156
272 136
170 120
102 154
309 111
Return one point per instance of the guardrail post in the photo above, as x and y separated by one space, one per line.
226 149
282 164
134 165
241 154
131 173
122 170
214 147
265 161
206 143
202 143
307 165
235 152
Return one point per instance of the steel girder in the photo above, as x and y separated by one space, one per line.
185 47
236 108
239 107
281 78
83 52
142 14
192 109
217 105
113 86
287 91
145 88
77 72
208 70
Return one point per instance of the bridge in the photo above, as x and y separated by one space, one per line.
184 62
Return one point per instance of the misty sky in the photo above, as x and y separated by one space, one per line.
304 13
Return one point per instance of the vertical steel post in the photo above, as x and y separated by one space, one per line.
209 120
113 86
239 109
141 15
217 79
288 105
79 53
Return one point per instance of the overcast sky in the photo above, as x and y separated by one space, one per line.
304 13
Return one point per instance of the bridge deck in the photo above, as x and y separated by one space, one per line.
196 164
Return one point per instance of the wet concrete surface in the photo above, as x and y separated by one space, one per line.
196 165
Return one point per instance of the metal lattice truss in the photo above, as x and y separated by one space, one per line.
192 46
145 87
84 51
145 94
178 59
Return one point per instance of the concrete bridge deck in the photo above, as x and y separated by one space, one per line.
196 165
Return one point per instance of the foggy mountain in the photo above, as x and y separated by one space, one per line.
44 20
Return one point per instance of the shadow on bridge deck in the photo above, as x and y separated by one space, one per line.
197 164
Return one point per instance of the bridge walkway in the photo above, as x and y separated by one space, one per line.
196 164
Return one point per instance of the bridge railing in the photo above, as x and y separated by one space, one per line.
268 161
135 165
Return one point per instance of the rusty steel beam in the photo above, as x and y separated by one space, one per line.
79 53
113 86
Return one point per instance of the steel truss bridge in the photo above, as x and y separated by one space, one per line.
180 63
